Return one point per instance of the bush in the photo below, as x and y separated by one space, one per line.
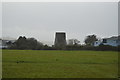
73 47
106 48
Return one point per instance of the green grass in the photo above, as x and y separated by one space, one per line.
59 64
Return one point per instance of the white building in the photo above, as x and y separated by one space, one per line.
112 41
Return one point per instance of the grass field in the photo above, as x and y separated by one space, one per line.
59 64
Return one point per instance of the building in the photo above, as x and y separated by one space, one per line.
60 40
112 41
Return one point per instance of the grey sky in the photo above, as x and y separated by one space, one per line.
41 20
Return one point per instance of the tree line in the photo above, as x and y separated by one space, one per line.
24 43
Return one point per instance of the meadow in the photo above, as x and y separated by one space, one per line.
59 64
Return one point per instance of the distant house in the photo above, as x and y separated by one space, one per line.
112 41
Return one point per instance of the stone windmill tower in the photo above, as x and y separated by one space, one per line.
60 40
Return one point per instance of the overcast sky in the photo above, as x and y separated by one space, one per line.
42 19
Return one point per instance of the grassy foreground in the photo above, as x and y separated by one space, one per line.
59 64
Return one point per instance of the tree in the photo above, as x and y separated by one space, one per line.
90 39
26 43
21 42
31 43
39 45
